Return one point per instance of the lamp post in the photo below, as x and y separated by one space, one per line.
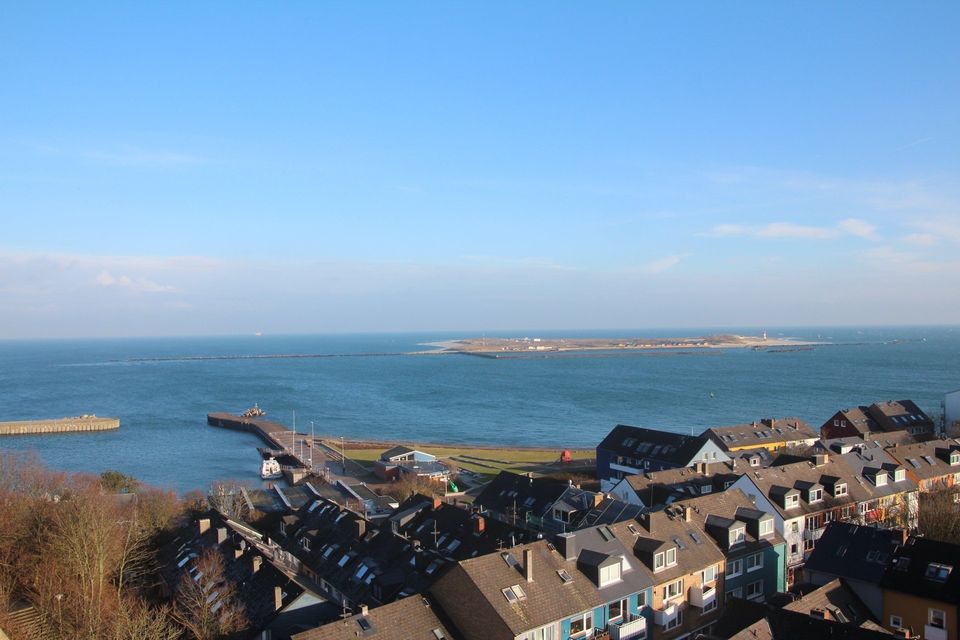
343 457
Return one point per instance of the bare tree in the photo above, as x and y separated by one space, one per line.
135 620
205 603
227 498
938 518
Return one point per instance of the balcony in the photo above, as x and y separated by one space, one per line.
635 627
934 633
703 596
665 615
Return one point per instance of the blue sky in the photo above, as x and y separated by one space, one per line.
476 166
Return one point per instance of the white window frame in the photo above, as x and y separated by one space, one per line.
675 621
672 551
668 587
624 610
839 489
609 575
714 570
899 475
931 614
659 561
736 566
896 621
758 559
791 501
815 495
738 535
769 525
759 592
587 619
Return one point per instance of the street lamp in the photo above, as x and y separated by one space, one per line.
343 457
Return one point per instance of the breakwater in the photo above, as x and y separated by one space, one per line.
61 425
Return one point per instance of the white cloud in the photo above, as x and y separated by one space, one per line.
140 285
661 265
846 227
921 239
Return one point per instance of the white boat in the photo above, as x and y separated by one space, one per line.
270 469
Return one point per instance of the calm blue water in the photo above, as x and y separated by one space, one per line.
565 402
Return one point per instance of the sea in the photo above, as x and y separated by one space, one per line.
373 386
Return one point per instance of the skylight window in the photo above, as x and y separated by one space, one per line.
564 576
938 572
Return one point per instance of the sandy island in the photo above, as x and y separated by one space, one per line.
528 345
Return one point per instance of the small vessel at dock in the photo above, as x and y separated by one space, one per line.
270 469
254 412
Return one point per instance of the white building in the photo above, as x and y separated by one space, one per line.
951 412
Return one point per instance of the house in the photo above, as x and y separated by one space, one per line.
630 450
771 434
541 592
933 465
755 554
411 618
892 415
522 500
873 440
859 556
274 596
806 496
921 589
400 460
835 601
568 509
653 490
686 566
746 620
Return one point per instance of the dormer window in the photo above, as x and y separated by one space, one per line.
755 461
880 479
840 489
305 543
738 535
791 500
283 528
766 527
609 574
665 559
899 475
814 495
954 458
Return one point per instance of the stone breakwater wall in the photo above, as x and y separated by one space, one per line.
62 425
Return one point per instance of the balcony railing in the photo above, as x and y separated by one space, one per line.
634 627
665 615
934 633
703 595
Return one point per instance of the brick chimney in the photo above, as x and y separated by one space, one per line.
203 525
687 514
437 502
277 598
256 562
479 524
528 564
364 610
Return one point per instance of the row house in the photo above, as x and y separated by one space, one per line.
933 465
521 500
542 592
770 434
892 415
806 496
755 554
921 590
630 450
686 566
653 490
411 618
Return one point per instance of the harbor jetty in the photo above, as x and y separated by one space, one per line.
77 424
285 444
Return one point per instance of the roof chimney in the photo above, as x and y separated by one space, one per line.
567 545
255 563
203 525
437 502
687 514
277 598
364 610
528 564
479 524
360 526
221 535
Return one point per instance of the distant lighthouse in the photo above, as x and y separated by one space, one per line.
764 335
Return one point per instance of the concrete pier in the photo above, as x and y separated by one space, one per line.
77 424
277 436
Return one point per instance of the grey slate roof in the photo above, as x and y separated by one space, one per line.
855 552
409 619
667 446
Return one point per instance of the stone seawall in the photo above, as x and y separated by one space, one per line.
62 425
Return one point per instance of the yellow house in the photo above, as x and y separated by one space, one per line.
921 589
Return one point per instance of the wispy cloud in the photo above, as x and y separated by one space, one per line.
791 230
661 265
139 285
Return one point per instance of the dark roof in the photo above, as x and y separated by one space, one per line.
609 511
838 600
925 568
745 620
854 552
667 446
893 415
408 619
398 450
517 495
927 460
